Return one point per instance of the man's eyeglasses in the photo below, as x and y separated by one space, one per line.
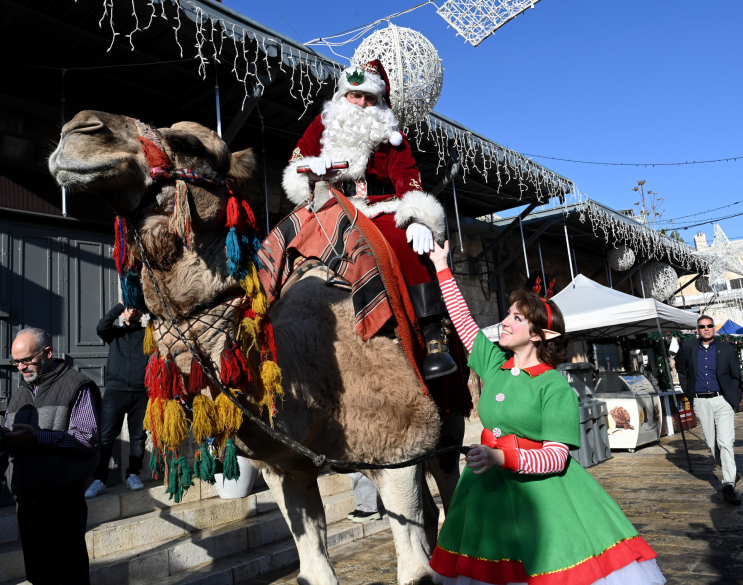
358 96
26 361
705 326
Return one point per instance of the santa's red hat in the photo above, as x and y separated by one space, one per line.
369 78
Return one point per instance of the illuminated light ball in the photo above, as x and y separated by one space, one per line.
659 280
621 258
413 67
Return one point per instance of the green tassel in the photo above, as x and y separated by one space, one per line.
205 466
156 463
172 489
185 480
230 468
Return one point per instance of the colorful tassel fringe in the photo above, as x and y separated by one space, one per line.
230 467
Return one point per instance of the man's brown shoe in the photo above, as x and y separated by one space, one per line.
729 494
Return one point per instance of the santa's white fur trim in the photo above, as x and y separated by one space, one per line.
372 84
395 139
296 185
415 206
422 208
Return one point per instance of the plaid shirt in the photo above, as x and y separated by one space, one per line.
83 433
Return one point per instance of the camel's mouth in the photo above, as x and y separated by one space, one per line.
73 174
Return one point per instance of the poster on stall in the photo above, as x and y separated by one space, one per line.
633 421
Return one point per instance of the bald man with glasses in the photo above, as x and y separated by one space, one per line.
710 377
51 447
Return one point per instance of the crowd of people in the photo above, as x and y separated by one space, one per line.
523 508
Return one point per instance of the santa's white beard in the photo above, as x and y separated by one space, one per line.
352 133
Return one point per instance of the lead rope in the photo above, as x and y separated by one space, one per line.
317 460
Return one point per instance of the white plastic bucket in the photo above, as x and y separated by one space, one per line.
229 489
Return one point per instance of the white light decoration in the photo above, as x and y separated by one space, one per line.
413 67
621 258
659 280
645 242
723 256
476 20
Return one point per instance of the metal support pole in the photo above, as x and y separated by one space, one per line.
673 392
64 190
541 263
265 176
570 260
575 257
523 245
456 211
216 92
642 284
448 236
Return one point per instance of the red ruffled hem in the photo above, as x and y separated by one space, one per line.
586 572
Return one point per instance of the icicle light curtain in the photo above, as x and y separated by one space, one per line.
309 72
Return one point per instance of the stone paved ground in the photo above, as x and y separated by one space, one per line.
698 537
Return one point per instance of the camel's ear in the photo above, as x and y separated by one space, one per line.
242 165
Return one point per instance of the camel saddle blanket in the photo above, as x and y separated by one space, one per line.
300 236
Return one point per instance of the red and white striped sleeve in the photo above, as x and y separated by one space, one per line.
551 458
460 315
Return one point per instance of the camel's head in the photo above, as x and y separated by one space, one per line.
100 153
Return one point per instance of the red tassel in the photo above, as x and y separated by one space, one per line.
156 158
233 214
120 260
150 376
268 337
248 213
231 374
178 389
197 380
243 362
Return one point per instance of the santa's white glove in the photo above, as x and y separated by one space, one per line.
319 164
420 237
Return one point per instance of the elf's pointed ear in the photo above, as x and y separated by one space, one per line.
549 334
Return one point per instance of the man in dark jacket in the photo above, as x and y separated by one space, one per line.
51 450
125 395
710 377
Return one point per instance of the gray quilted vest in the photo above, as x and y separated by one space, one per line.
34 471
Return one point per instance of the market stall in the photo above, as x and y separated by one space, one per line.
594 312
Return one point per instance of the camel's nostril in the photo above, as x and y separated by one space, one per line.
90 127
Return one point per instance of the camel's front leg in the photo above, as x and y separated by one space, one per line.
298 497
402 493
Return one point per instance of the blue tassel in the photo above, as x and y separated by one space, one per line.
234 254
131 291
253 244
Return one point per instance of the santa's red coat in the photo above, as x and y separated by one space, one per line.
393 165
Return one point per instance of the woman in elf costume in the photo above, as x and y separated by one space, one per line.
523 511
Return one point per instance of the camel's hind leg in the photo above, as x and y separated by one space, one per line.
298 497
445 468
402 492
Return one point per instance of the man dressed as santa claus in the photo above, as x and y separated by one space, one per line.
383 182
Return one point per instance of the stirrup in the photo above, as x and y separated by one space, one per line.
332 278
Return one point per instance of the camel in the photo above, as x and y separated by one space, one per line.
344 398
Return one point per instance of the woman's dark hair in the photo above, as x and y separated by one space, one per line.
531 306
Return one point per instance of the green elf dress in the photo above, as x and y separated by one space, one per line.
505 527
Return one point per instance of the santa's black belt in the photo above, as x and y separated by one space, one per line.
373 187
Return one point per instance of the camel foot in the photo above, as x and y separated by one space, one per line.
427 580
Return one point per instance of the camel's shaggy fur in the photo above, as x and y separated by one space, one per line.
345 398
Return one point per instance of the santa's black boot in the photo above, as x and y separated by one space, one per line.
430 311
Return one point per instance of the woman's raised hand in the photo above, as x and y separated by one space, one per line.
440 256
481 458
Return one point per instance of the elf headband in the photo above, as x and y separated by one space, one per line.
548 333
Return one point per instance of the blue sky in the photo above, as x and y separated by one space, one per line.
622 81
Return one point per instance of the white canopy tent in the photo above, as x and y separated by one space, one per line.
593 311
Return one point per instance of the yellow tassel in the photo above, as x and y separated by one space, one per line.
251 283
174 430
154 414
247 333
149 345
260 303
271 377
204 423
180 220
229 416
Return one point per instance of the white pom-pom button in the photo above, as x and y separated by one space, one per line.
395 139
